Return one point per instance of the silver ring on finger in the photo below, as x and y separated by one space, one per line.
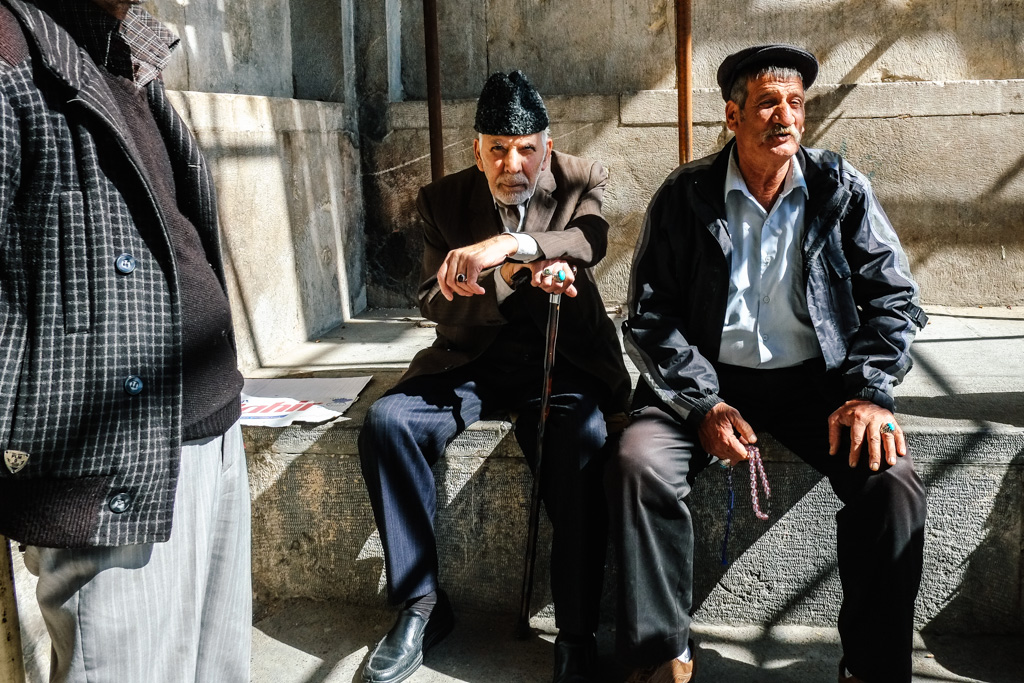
460 278
887 428
546 272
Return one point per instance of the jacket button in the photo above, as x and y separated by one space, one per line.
125 263
133 385
120 503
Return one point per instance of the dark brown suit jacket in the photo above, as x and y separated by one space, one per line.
565 219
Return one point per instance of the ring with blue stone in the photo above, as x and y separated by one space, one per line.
561 276
888 428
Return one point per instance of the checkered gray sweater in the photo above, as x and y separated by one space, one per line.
77 335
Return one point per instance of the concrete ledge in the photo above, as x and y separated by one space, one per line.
314 534
827 101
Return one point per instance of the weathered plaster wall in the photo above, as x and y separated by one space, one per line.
229 46
615 46
936 153
290 203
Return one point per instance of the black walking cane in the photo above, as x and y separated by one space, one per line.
523 626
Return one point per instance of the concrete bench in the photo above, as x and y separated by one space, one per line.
962 408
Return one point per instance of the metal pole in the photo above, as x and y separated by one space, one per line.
684 77
433 57
523 627
12 666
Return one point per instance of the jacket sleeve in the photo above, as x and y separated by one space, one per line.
584 240
481 309
655 334
887 299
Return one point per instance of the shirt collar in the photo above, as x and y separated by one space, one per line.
521 207
137 48
734 179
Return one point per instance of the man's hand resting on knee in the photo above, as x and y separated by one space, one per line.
867 421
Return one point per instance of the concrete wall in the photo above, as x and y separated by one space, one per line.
290 203
937 155
229 46
287 168
627 45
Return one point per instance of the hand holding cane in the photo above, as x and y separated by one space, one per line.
523 626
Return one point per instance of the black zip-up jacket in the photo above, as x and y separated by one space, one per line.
862 301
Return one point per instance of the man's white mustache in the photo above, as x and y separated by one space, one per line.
513 179
779 129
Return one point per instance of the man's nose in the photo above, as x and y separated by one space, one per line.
784 114
513 161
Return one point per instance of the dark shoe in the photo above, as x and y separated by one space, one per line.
575 660
843 678
400 652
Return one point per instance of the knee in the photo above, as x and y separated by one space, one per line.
634 464
384 425
900 491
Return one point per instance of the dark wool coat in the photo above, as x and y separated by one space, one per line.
90 327
565 219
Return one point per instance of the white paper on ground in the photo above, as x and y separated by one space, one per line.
280 402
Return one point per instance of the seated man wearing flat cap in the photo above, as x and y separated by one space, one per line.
523 207
768 291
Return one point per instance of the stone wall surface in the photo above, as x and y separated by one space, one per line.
229 46
290 203
314 535
629 45
936 154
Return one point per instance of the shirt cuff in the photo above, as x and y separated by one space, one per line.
528 250
501 288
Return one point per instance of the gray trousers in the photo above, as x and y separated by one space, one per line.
172 612
880 529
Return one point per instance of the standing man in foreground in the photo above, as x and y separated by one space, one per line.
529 210
119 392
768 291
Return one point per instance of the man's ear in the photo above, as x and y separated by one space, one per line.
547 154
732 115
476 153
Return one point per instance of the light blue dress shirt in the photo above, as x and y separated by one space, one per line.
766 319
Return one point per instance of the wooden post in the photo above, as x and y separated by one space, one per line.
12 665
684 77
433 58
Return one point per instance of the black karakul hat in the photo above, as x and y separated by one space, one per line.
760 56
510 105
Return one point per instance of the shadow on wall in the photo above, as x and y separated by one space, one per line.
314 534
629 45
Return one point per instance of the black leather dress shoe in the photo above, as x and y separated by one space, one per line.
400 652
575 660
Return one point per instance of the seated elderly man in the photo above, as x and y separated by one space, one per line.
768 291
498 238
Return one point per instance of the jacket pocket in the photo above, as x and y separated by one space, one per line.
74 263
840 288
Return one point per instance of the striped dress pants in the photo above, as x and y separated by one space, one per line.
174 612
